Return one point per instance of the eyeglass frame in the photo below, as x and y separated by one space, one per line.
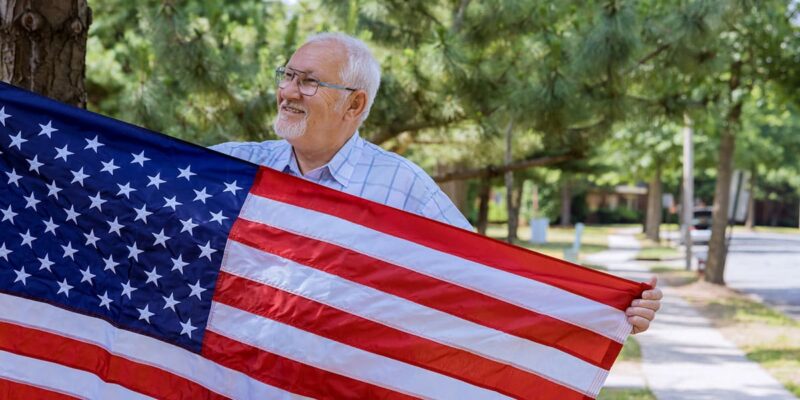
280 74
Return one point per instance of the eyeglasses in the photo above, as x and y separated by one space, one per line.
308 86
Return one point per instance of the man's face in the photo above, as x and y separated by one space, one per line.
313 120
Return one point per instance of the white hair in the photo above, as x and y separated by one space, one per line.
362 70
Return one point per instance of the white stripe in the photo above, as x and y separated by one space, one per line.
135 347
60 378
308 348
410 317
523 292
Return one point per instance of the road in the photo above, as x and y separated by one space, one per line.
767 265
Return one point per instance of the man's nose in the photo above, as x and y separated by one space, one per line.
291 90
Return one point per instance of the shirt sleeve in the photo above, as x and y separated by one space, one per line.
442 209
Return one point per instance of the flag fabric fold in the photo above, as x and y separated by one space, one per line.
135 265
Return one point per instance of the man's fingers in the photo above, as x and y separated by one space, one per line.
653 294
654 305
647 313
639 324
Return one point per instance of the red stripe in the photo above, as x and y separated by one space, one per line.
15 390
72 353
431 292
367 335
288 374
595 285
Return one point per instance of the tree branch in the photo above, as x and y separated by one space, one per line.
492 170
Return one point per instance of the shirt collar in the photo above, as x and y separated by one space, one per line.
340 167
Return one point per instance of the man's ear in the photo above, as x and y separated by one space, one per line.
356 105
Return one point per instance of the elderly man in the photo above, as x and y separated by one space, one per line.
325 92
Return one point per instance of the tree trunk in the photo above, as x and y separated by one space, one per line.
513 213
717 249
566 203
750 222
483 207
653 220
509 178
43 47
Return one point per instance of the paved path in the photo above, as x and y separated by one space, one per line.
683 356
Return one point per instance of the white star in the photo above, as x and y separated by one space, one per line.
218 217
52 190
105 301
231 187
125 190
22 276
63 153
87 276
172 202
27 238
69 251
50 226
115 226
8 214
64 287
96 202
72 214
206 251
201 195
155 180
46 263
91 239
47 129
4 252
110 264
187 328
133 252
13 177
78 176
144 313
127 289
142 213
171 302
3 116
188 225
31 201
109 167
186 173
17 141
161 238
93 144
139 158
35 164
196 290
177 263
152 276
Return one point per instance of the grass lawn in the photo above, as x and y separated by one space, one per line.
765 335
593 240
625 394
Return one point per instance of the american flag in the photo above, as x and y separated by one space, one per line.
135 265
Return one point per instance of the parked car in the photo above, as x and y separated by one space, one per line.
700 230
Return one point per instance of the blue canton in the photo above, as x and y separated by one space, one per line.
111 220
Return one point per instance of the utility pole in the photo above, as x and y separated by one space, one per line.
688 189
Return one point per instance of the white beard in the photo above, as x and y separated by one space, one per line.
289 130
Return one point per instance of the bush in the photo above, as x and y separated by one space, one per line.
619 215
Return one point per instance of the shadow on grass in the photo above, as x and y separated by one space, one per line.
625 394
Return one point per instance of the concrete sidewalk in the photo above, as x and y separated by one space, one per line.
683 356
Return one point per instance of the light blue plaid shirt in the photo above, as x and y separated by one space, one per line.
362 169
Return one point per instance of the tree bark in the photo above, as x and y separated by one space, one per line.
653 220
483 206
750 222
509 180
43 47
717 249
566 203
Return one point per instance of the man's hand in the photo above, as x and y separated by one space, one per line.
643 310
